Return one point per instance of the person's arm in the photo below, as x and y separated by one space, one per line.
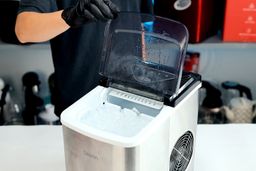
39 27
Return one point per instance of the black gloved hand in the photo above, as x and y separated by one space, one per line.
89 10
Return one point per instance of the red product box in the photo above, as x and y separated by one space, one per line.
240 21
191 63
203 18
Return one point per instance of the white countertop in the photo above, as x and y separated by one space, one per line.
230 147
31 148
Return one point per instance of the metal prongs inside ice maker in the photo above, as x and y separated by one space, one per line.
135 102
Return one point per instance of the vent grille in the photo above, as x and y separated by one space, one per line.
182 152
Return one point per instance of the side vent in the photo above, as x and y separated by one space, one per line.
182 152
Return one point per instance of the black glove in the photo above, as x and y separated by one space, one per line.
88 11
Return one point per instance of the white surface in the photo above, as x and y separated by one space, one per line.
31 148
229 147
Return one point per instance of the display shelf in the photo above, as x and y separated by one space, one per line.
216 42
227 61
18 59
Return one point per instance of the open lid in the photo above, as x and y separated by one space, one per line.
144 54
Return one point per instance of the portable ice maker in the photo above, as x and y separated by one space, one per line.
144 116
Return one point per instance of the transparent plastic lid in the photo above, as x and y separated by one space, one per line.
144 54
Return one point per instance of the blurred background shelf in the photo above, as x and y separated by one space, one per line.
221 61
216 42
16 60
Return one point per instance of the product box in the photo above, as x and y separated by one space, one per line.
240 21
203 18
191 63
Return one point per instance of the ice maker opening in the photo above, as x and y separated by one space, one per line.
113 119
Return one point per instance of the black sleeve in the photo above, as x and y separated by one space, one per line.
42 6
147 6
